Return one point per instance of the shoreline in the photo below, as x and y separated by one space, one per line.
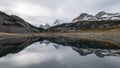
112 37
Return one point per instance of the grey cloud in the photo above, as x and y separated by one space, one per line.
108 3
65 10
105 5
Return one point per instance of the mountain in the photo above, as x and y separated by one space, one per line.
107 16
101 20
15 24
85 25
57 22
84 17
45 26
98 17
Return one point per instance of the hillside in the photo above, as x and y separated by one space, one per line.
85 25
15 24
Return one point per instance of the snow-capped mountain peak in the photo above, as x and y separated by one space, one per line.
57 22
98 17
46 26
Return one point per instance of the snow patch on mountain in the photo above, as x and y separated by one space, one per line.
98 17
46 26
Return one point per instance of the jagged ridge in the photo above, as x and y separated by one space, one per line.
98 17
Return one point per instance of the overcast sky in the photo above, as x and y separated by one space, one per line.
39 12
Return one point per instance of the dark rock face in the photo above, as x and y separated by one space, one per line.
98 15
15 24
85 17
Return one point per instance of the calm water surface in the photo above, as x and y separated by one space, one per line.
58 53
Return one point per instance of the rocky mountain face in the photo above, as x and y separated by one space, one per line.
57 22
15 24
46 26
98 17
84 17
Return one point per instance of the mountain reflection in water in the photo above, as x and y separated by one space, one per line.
76 47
